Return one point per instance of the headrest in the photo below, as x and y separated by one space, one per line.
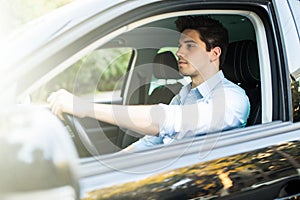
241 63
165 66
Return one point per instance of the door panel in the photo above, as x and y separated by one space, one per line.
255 167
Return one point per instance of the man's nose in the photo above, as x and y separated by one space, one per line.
178 53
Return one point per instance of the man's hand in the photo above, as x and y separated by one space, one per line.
139 118
63 101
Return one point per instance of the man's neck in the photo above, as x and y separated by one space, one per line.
202 77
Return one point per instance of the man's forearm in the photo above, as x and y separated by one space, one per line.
141 118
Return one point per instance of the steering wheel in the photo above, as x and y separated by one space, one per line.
84 145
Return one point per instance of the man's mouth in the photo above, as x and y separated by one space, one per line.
182 62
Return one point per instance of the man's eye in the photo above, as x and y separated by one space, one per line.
189 46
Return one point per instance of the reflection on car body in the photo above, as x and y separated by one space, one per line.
217 178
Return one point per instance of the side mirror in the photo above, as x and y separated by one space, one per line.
38 158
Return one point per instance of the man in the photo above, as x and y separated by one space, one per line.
209 103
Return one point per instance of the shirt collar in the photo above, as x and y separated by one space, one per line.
206 87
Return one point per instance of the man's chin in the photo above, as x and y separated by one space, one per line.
183 71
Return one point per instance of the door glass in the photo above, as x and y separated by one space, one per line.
99 75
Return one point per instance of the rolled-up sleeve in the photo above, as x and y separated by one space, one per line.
171 122
186 119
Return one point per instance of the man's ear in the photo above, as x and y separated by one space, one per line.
215 53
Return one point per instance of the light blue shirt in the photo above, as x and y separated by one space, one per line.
215 105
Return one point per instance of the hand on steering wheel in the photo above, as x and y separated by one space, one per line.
61 103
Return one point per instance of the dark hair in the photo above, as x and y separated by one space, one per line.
211 32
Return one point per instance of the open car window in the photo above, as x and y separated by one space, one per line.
247 51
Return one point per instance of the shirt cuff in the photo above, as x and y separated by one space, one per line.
147 142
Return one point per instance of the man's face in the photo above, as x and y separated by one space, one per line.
193 59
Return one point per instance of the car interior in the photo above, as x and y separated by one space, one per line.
241 67
152 77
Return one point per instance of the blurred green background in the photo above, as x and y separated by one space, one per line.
15 13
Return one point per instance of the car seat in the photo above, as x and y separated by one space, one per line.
241 66
165 67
